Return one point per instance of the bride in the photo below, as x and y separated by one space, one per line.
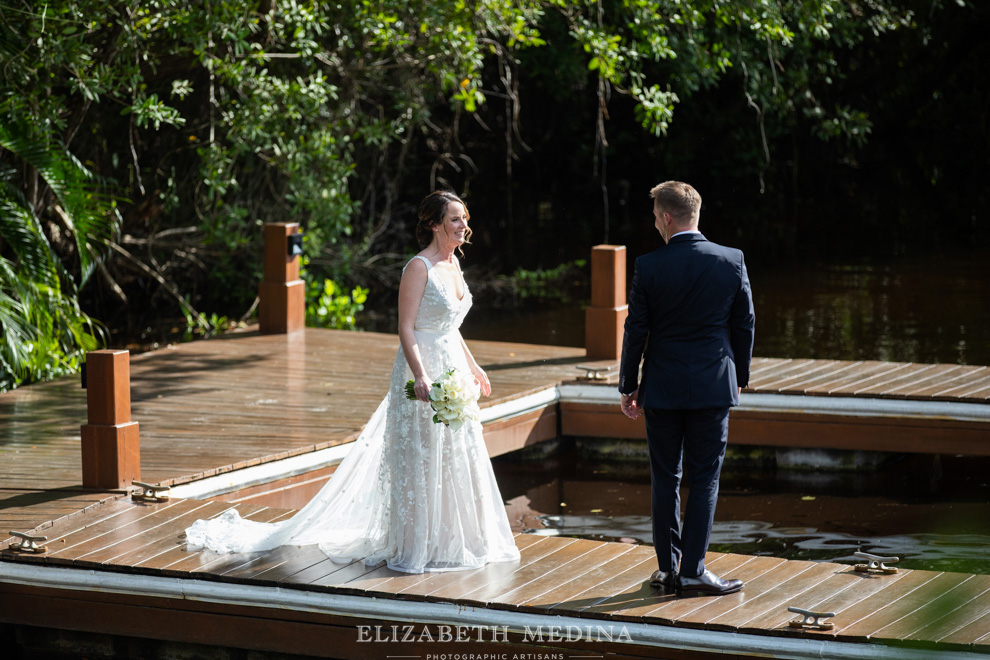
410 492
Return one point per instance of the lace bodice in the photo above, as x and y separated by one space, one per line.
440 311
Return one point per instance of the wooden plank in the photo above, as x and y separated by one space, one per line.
562 571
759 363
937 382
437 584
504 436
898 388
967 390
812 382
598 421
259 564
980 395
618 558
831 384
880 372
291 563
924 612
731 566
798 370
767 595
320 572
767 577
44 512
905 596
410 586
632 583
765 366
78 540
371 581
911 374
200 560
179 549
132 537
951 611
493 587
150 543
778 371
783 382
639 601
343 574
975 634
859 433
840 592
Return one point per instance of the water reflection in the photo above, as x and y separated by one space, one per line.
900 510
964 553
904 310
908 310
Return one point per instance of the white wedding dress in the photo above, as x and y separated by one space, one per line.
410 492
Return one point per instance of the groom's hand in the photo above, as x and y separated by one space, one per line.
630 405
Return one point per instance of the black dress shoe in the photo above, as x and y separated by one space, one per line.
706 584
664 579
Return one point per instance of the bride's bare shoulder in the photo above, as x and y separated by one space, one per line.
418 264
415 271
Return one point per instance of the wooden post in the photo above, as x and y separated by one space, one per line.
282 308
111 449
606 316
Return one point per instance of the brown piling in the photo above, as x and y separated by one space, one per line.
111 448
282 305
606 316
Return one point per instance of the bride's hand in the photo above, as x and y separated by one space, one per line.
422 388
482 378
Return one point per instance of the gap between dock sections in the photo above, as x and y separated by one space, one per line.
605 395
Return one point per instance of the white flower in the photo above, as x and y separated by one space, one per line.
453 398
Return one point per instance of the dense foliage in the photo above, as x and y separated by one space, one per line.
143 143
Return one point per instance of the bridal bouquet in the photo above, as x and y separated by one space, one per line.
453 399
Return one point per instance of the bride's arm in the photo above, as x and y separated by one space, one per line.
479 373
411 289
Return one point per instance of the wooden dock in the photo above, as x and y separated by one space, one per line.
830 404
214 407
275 406
124 570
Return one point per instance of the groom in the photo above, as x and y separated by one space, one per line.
691 309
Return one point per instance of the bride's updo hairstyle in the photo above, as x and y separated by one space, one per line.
431 212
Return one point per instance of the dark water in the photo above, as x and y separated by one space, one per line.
934 516
933 310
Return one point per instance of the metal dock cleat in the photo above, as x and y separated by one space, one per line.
28 543
876 565
812 620
592 372
149 492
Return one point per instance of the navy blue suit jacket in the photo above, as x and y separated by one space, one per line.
691 312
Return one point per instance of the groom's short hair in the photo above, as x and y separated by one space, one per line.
678 199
